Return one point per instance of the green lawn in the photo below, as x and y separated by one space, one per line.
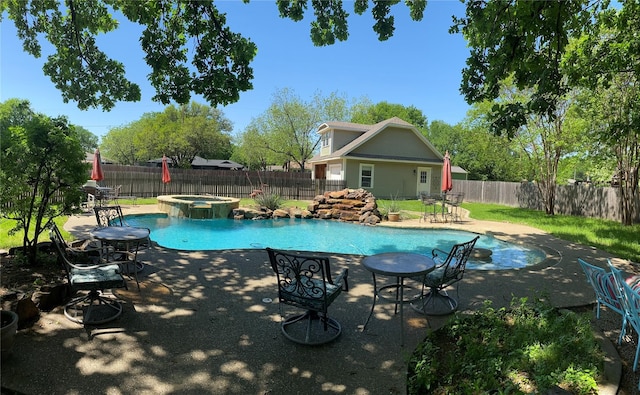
621 241
610 236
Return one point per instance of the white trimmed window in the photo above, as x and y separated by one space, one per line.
366 176
335 172
326 139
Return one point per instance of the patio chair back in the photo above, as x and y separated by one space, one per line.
304 281
630 301
604 286
109 216
86 272
450 266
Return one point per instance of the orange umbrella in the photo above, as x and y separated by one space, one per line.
96 170
166 177
447 184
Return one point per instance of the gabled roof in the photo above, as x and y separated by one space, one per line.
458 169
220 163
89 159
200 162
343 126
369 131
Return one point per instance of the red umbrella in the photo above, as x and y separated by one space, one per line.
166 177
96 170
447 184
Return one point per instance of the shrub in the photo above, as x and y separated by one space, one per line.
518 350
271 201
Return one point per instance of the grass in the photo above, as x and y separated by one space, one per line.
606 235
512 351
15 240
610 236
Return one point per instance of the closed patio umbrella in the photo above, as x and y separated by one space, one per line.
447 184
96 170
166 177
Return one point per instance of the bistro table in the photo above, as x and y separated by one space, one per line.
399 265
128 236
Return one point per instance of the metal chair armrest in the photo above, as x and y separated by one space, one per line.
342 279
438 253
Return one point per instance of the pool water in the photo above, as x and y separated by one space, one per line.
325 236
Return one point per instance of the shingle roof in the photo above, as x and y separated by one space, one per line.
369 131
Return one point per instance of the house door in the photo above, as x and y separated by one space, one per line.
424 180
320 172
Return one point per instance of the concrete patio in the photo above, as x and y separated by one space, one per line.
202 324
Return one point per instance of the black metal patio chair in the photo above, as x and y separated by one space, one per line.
304 281
449 270
87 270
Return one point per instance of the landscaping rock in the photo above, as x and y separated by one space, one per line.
280 213
353 205
48 297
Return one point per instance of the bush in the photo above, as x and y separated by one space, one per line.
271 201
520 350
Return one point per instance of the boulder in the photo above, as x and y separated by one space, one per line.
27 312
346 215
48 297
338 194
280 213
372 220
295 212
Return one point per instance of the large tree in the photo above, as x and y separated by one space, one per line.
188 46
252 149
119 146
88 140
179 132
545 140
288 127
42 170
525 41
607 62
472 146
367 113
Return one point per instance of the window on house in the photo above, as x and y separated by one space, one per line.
326 140
423 177
366 176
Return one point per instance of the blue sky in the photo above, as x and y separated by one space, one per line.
420 65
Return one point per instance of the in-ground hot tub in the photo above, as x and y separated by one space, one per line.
198 207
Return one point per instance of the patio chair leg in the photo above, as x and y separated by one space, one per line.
84 309
435 303
318 329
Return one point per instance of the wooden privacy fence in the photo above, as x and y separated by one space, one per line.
579 200
141 181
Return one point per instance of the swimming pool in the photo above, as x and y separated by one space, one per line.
325 236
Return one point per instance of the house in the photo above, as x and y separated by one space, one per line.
215 164
202 163
458 173
389 159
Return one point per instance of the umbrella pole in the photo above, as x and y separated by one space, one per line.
444 198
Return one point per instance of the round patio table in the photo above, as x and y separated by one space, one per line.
398 265
130 237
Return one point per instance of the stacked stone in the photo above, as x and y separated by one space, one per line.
355 205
